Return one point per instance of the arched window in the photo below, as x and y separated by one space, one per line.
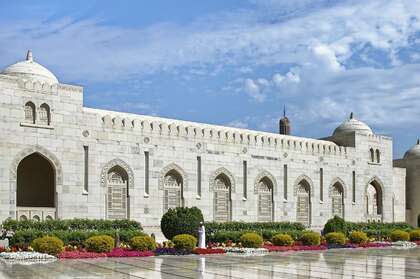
117 193
30 113
44 114
265 200
374 201
173 186
378 156
337 200
222 198
372 155
303 206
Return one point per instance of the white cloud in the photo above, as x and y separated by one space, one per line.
237 124
253 90
326 55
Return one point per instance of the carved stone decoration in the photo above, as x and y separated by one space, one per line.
122 164
331 188
178 169
260 176
301 178
216 173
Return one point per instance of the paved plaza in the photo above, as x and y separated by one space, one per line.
341 263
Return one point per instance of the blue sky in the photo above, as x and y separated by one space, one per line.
233 62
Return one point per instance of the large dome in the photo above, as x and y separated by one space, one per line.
352 125
30 70
413 152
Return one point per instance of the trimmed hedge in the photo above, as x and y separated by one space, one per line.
77 237
251 240
184 242
181 220
415 235
357 237
143 243
100 244
282 239
213 227
400 235
335 238
223 236
48 244
70 224
376 230
336 224
310 238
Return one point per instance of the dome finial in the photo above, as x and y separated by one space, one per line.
351 115
29 56
418 141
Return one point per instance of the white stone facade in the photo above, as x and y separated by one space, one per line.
280 170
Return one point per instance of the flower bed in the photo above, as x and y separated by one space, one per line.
273 248
116 252
207 251
120 252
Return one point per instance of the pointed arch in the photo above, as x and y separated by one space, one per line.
265 174
374 198
123 165
303 178
178 169
58 176
342 184
216 173
30 112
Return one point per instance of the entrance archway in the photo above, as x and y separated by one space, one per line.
35 188
374 201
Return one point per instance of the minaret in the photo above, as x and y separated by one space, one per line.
284 124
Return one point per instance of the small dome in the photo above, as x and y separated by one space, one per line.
352 125
30 70
413 152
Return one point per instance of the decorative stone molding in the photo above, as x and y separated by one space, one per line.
342 184
179 170
379 183
216 173
43 152
269 176
122 164
301 178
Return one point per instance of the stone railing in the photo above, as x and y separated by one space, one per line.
35 213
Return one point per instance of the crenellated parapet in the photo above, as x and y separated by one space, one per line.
162 127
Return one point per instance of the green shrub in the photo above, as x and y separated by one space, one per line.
184 242
335 238
71 224
282 239
48 244
251 240
181 220
378 230
310 238
75 237
415 235
99 243
399 235
357 237
336 224
143 243
213 227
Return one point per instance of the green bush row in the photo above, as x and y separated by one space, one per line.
223 236
75 237
71 224
212 227
372 229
